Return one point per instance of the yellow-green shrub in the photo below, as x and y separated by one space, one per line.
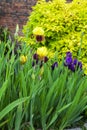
64 25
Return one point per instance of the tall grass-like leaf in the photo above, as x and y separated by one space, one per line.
18 117
3 123
23 83
12 105
3 88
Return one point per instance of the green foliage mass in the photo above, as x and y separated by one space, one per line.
64 25
33 98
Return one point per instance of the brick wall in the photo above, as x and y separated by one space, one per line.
13 12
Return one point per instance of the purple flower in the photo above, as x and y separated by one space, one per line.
37 61
75 61
39 38
54 65
80 65
71 67
68 61
41 63
35 56
68 54
45 59
73 64
33 64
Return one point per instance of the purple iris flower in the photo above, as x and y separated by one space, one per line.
35 56
75 61
33 64
68 61
71 67
68 54
71 63
54 65
45 59
39 38
80 65
41 63
37 61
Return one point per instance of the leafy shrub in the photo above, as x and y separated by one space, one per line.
65 26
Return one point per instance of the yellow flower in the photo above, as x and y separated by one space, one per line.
42 52
38 31
23 59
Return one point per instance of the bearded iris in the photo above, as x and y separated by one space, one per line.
35 56
42 52
23 59
75 61
80 65
54 65
39 38
68 54
72 64
68 60
38 31
39 34
40 56
71 67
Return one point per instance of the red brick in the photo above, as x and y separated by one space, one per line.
14 12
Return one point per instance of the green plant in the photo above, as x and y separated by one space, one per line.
64 25
4 34
33 97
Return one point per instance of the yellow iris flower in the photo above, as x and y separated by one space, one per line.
42 52
38 31
23 59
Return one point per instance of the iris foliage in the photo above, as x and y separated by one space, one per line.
33 97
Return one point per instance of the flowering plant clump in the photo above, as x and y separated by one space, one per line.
71 63
40 58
